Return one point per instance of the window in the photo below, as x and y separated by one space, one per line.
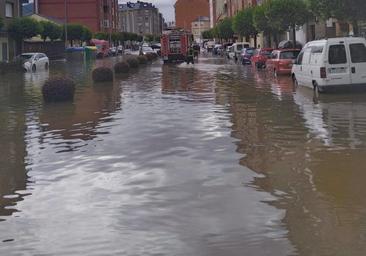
358 53
299 58
337 54
317 49
292 55
9 10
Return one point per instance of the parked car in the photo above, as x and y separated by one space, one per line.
281 61
236 50
260 57
246 55
113 51
217 49
120 49
229 49
332 63
147 49
34 61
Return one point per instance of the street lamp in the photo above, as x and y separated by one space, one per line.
65 15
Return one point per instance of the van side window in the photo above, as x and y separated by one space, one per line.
337 54
358 53
299 58
317 49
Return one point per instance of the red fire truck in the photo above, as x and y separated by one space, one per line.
175 45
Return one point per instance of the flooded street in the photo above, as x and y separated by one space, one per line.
212 159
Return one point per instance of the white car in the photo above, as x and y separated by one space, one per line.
34 61
147 49
332 63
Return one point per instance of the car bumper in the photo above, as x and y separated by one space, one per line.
342 88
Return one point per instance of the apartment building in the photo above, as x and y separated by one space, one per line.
140 18
186 11
9 9
97 15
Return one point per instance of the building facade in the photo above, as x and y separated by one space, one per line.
200 25
97 15
9 9
140 18
186 11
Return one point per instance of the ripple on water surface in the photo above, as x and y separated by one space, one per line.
210 159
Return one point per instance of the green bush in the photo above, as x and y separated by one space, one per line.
142 59
121 67
133 62
102 74
58 89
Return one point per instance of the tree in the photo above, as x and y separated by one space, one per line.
50 30
74 32
23 28
287 14
224 29
344 10
101 36
261 21
149 38
208 34
86 35
243 24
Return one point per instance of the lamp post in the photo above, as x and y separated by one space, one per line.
65 15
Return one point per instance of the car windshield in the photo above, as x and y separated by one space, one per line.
25 56
289 55
266 53
249 51
146 49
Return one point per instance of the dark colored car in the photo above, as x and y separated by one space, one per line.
246 55
260 57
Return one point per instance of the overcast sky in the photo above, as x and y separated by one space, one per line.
166 7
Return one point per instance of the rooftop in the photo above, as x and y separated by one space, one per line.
135 6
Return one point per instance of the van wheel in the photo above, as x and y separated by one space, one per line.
34 68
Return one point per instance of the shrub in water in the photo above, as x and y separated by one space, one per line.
133 62
121 67
142 59
58 89
102 74
151 56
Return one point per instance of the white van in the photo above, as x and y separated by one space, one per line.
331 63
236 50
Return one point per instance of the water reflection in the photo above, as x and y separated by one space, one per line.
210 159
13 147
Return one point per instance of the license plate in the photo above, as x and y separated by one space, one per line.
337 70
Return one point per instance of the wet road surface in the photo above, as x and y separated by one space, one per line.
210 159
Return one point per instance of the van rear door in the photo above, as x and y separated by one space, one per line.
358 62
338 68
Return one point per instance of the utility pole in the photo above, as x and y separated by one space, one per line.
65 15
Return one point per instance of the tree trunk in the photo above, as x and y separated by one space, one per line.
269 39
255 41
294 36
356 28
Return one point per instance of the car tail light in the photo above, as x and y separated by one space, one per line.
323 72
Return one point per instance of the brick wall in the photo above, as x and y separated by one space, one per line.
186 11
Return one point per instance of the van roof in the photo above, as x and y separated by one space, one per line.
336 40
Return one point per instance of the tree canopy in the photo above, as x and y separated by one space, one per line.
224 29
243 23
24 28
50 30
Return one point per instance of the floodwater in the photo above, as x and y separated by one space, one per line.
214 159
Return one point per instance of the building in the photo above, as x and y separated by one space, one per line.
186 11
140 18
9 10
97 15
200 25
